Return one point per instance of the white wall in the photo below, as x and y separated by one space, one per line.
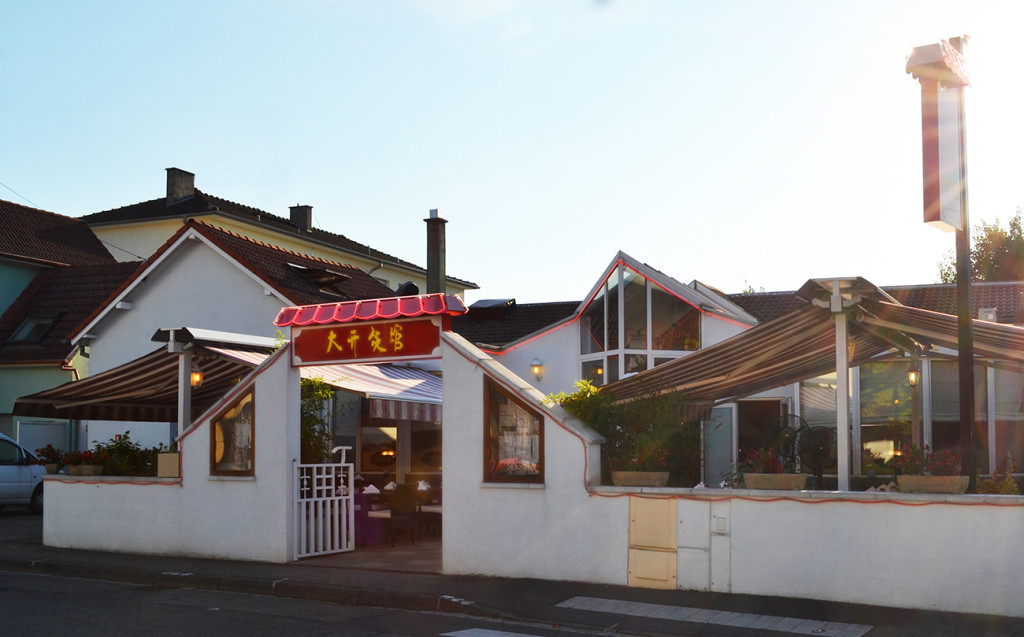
559 350
552 531
244 518
193 287
715 330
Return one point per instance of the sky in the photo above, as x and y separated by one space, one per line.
740 143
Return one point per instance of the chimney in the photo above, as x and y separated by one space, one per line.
436 279
181 184
302 216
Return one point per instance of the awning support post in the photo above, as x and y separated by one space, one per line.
184 391
842 388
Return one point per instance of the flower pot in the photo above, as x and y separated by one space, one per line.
167 465
776 481
52 467
639 478
932 484
85 469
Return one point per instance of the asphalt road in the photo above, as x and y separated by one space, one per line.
48 605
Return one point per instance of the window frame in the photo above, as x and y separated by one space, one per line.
488 471
249 395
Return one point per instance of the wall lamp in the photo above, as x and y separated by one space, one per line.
537 367
914 371
195 378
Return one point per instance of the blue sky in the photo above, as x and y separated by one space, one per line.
761 143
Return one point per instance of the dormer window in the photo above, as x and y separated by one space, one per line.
33 329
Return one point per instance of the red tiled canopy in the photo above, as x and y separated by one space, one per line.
370 310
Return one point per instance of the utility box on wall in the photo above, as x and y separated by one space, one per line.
652 542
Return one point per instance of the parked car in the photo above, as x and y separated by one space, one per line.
21 476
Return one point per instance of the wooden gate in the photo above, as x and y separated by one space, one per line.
324 507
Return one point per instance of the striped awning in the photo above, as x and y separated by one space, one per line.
396 393
801 345
143 390
146 389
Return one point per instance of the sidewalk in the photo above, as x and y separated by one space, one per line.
347 579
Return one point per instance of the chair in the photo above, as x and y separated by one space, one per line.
404 510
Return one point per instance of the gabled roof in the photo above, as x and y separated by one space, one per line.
515 321
283 271
1005 296
67 294
45 237
704 298
201 204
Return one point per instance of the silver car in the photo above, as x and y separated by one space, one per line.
21 476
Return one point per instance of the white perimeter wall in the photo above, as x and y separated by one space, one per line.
244 518
552 531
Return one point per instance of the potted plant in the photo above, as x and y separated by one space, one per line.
50 457
767 469
646 440
923 471
84 463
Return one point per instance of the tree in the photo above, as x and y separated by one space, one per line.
997 253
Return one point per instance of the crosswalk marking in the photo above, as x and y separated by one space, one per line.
792 625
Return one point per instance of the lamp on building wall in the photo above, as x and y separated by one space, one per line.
195 378
537 367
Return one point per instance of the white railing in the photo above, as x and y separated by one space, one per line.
324 511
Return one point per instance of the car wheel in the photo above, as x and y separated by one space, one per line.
35 505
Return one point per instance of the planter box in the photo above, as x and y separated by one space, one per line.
639 478
52 467
168 465
85 469
932 484
776 481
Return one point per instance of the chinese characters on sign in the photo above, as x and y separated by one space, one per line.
385 340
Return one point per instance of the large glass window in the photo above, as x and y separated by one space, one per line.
513 438
593 371
946 409
634 306
232 439
675 324
886 407
592 325
1009 387
613 310
378 458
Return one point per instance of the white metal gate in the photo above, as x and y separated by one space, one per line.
324 511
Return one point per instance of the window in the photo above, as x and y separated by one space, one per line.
513 438
232 439
10 454
946 409
33 329
886 410
629 322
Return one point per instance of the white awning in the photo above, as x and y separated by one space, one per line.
396 393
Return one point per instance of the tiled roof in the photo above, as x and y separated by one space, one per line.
46 237
68 293
371 309
940 297
286 272
765 306
522 320
204 204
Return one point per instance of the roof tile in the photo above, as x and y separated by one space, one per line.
47 237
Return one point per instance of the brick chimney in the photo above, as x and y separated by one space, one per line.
436 279
302 216
181 184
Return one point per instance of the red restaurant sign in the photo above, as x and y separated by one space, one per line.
376 341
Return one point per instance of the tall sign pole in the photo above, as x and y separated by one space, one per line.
943 75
